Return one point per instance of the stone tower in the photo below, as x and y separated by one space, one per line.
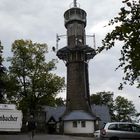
76 56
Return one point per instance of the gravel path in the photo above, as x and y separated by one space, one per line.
43 137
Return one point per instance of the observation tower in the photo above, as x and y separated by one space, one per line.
76 56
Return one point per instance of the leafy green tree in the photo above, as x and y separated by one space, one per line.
2 76
96 99
1 51
59 102
104 98
124 109
127 31
120 109
32 82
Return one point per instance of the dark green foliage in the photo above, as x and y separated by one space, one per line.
124 109
2 76
127 31
1 51
102 98
59 102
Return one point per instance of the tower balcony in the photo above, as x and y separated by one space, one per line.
79 53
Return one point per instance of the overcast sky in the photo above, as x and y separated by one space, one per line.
40 20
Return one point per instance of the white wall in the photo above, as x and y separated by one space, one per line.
68 127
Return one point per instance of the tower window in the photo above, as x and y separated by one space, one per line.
74 123
83 123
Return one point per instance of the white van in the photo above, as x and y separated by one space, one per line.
10 118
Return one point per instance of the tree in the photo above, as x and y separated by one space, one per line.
104 98
120 109
127 31
32 82
2 76
124 109
1 48
59 102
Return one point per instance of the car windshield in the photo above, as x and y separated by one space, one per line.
112 127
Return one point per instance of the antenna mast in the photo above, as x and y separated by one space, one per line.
75 3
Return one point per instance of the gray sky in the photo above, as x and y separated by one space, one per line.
40 20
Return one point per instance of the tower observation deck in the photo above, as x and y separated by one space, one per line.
76 55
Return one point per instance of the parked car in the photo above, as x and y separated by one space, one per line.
118 131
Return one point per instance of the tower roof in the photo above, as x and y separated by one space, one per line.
79 115
75 13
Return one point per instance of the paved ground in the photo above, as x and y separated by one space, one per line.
43 137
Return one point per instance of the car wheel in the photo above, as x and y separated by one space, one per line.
114 138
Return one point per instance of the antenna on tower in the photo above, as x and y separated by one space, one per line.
75 3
